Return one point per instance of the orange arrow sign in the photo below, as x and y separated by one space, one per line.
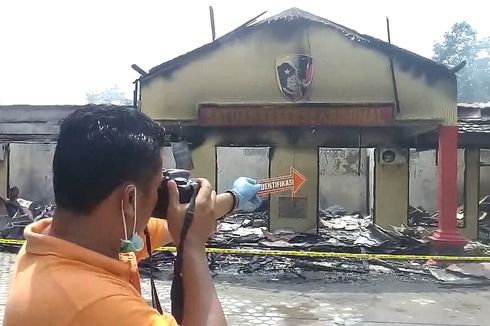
292 182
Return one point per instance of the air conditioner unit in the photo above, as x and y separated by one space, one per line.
3 152
392 156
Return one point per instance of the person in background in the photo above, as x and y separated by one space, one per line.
11 203
80 267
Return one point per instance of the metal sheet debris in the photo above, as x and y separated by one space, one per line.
481 270
348 232
418 216
484 220
339 231
476 248
449 278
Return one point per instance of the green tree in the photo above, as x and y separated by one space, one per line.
112 95
462 44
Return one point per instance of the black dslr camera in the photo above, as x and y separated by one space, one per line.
185 186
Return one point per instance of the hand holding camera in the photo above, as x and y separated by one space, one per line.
177 190
244 189
203 223
185 188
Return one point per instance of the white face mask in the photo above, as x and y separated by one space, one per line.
136 242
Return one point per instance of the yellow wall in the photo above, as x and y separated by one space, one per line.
391 194
304 159
344 71
204 160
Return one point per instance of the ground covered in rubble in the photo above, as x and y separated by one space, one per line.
338 233
282 293
327 271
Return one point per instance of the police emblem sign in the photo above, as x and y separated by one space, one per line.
294 74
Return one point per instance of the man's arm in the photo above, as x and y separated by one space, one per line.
201 303
158 228
199 289
224 205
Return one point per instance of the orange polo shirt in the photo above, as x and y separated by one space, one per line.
56 282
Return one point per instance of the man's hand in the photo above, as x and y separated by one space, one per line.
246 190
203 223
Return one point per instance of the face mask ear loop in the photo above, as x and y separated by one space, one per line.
124 222
134 225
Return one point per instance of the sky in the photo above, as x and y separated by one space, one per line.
54 52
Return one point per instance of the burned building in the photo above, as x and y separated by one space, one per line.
335 117
295 88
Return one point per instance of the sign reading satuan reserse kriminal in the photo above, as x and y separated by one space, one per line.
362 115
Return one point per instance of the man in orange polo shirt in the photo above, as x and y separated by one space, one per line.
80 267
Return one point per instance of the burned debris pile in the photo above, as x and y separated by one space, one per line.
338 232
418 216
352 232
484 220
279 268
12 227
463 274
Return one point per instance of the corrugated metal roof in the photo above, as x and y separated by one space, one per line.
474 105
474 118
474 126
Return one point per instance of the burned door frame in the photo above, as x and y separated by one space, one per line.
360 171
463 154
369 209
234 145
24 151
480 166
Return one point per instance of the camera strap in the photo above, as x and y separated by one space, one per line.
155 301
177 289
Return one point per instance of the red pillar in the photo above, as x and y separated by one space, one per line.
447 236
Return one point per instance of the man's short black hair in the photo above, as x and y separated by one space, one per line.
99 148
